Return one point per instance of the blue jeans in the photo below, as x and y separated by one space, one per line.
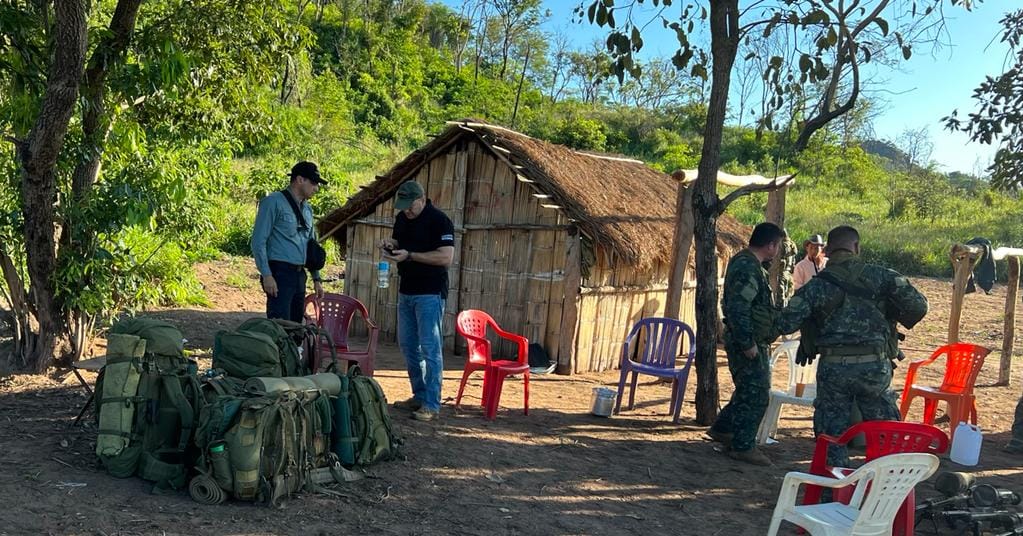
421 341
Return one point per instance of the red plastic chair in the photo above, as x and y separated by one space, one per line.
472 325
333 313
883 438
956 390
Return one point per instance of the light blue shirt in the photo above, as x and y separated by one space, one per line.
276 236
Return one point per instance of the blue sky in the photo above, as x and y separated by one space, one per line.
924 89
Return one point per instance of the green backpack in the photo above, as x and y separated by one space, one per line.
148 399
373 435
260 448
246 354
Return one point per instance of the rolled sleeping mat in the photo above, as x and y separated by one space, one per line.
266 385
300 383
326 381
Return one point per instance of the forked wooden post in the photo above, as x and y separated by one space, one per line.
1009 328
775 213
964 257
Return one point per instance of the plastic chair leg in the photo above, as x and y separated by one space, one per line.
930 409
905 518
495 394
676 400
769 424
461 386
621 389
632 390
525 393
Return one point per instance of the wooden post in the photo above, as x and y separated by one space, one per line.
570 307
681 244
963 258
775 213
1009 328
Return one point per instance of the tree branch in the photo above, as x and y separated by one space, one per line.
752 189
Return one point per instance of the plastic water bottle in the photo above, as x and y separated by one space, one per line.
383 274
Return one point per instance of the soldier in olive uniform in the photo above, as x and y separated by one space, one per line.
746 301
1015 445
847 315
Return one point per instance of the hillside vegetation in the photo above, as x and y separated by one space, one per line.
215 105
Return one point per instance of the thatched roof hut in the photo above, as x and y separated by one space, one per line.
565 247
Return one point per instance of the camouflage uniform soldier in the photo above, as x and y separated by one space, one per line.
1015 445
747 302
847 315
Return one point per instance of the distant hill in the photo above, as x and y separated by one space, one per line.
885 149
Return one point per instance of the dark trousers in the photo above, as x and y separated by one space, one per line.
289 303
752 380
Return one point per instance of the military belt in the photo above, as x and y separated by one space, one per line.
850 359
852 350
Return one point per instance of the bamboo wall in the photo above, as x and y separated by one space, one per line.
614 297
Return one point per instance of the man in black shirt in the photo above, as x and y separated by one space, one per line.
422 244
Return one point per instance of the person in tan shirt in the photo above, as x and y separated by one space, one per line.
812 263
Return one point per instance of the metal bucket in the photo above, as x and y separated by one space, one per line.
603 401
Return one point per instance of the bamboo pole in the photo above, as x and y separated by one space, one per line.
963 258
1009 328
681 244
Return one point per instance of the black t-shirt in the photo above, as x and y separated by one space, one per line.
431 230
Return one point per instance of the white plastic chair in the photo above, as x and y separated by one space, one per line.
881 487
805 375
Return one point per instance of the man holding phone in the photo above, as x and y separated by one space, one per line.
422 244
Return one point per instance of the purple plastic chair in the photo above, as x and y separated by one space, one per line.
655 343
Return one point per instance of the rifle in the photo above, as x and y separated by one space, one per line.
979 517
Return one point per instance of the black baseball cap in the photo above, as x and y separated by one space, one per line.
307 170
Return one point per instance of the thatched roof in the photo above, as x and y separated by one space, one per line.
617 202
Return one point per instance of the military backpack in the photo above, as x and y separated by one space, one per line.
147 396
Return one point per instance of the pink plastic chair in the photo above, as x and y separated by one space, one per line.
472 324
333 313
961 370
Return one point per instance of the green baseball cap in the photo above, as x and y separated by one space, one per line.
408 192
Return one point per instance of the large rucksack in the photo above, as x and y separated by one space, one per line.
363 434
260 447
148 400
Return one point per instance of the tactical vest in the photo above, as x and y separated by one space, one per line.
847 280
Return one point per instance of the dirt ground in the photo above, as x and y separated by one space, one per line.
558 470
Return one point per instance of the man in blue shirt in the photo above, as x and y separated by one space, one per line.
423 246
279 242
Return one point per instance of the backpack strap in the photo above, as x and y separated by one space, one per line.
302 225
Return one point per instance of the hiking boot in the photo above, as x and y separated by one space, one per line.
752 456
425 415
411 404
720 437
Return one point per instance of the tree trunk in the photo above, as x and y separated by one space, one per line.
724 24
95 121
38 159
